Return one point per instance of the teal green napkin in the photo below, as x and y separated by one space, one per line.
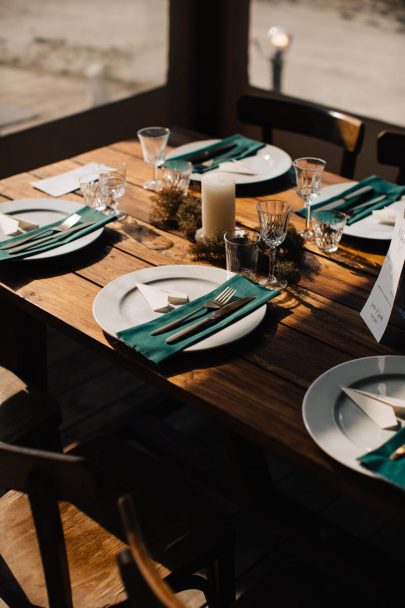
87 214
245 147
155 348
378 461
380 186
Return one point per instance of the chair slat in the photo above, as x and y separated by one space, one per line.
304 118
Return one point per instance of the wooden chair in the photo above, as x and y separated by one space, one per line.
391 151
304 118
287 584
28 416
60 530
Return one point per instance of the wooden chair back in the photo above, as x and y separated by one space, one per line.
391 151
304 118
61 518
142 582
46 478
311 584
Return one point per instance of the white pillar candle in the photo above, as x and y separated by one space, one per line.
218 204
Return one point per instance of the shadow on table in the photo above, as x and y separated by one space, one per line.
215 357
20 272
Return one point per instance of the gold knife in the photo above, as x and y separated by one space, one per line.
346 199
54 237
221 312
398 453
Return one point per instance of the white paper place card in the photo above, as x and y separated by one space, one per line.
237 166
385 216
161 300
381 413
397 404
377 310
69 181
11 225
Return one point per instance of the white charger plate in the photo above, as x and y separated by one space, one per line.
335 423
368 227
43 211
275 162
120 305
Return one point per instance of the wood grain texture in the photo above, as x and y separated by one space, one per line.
255 386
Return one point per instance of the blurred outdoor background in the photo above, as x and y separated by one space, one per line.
59 58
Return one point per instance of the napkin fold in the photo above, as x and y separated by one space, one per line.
391 191
244 147
155 348
378 461
86 213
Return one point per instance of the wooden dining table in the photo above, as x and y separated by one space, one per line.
253 387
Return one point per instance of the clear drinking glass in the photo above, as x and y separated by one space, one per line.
176 174
328 229
273 219
308 173
242 249
112 186
153 142
89 188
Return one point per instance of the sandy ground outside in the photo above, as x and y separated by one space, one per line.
58 58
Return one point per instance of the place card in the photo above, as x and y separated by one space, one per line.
11 225
397 404
68 181
377 310
161 300
381 413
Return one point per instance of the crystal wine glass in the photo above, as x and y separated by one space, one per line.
308 173
153 142
112 186
273 219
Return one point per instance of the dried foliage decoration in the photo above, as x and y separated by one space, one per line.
176 211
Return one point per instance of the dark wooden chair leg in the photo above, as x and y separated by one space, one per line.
253 471
23 345
221 579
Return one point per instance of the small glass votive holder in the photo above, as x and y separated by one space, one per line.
90 189
242 250
328 229
176 175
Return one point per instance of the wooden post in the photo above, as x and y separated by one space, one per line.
208 55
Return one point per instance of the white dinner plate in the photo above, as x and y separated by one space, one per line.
120 305
274 162
43 211
335 423
368 227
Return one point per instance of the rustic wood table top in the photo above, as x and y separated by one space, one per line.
255 386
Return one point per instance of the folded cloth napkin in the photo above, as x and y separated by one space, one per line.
379 461
155 348
379 186
244 147
87 215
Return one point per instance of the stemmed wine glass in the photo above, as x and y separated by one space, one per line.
153 142
273 219
308 173
112 186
